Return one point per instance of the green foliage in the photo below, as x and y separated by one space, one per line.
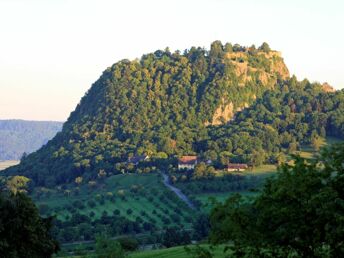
299 213
201 226
23 233
129 243
291 115
203 171
17 184
162 105
107 248
173 237
198 252
265 47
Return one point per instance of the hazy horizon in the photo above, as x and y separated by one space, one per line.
52 51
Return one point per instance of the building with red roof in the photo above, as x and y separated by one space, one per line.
187 162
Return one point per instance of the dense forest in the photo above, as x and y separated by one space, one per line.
227 103
18 137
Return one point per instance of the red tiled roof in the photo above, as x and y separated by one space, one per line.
237 166
187 160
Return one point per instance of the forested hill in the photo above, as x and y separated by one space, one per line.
19 136
229 102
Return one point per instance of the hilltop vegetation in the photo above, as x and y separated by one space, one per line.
19 136
228 103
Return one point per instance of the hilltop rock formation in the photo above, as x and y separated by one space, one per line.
327 87
168 104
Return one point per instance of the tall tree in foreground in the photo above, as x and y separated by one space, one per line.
23 233
299 213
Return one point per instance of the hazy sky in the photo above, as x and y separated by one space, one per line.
51 51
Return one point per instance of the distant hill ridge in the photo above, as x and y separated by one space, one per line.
19 136
227 103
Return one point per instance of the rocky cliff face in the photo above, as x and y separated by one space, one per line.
250 67
327 87
267 66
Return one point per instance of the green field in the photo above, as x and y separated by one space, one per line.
144 194
308 152
260 173
208 198
175 252
8 163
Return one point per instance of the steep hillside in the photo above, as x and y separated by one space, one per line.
279 123
169 104
19 136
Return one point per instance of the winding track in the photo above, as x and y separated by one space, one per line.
177 191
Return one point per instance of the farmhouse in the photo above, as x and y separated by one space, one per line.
187 162
138 158
236 167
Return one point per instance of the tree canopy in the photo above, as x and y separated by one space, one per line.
230 103
23 233
299 213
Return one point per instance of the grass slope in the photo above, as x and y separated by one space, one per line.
175 252
143 194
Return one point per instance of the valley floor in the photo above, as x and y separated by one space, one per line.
8 163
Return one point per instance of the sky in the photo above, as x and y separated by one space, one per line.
51 51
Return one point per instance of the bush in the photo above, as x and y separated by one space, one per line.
91 203
79 204
129 243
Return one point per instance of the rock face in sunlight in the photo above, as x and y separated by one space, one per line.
231 101
327 87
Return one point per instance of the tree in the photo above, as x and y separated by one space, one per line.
24 156
201 226
107 248
78 180
265 47
298 213
17 184
23 233
200 170
173 237
316 142
129 243
216 49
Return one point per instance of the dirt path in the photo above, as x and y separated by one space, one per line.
177 191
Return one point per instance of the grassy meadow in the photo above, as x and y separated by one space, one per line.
131 195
